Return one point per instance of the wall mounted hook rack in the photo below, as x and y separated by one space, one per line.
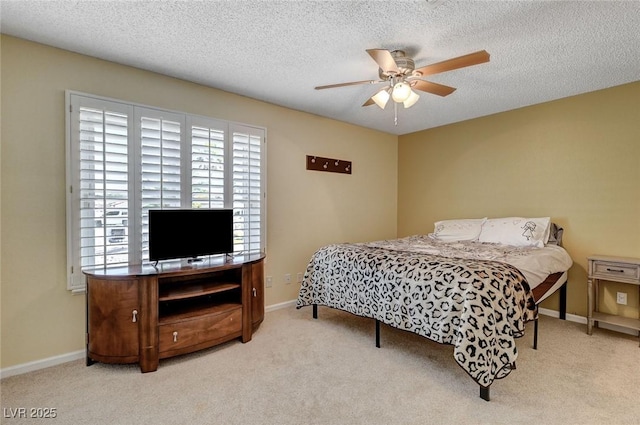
332 165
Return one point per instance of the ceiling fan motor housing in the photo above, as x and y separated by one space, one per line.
405 65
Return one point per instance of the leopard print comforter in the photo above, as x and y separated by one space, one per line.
477 306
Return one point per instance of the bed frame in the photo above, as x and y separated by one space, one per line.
544 290
552 283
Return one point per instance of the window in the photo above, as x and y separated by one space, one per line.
124 159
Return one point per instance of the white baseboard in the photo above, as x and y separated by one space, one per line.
583 320
279 306
569 317
41 364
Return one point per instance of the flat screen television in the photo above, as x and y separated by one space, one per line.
189 233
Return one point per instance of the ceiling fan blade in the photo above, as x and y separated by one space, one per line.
353 83
460 62
433 88
384 60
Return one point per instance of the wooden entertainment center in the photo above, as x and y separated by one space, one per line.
144 313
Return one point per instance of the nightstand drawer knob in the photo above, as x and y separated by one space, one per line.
615 270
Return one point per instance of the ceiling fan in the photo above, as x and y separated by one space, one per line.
403 77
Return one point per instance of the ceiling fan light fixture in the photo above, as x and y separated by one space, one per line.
381 98
411 100
401 92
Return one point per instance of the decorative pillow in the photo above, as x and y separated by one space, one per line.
516 231
458 230
555 235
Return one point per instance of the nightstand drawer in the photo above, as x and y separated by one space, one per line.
609 270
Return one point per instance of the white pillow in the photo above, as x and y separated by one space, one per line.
458 230
516 231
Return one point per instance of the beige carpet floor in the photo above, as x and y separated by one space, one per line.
297 370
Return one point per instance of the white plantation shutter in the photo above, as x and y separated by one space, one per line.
208 164
124 159
160 139
248 188
100 192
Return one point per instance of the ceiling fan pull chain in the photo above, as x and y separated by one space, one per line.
395 113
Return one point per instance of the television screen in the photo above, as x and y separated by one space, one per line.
189 233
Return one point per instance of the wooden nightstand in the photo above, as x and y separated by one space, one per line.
614 269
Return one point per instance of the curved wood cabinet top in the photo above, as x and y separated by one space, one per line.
174 267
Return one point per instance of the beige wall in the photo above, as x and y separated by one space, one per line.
306 209
575 159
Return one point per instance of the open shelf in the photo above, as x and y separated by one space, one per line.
178 292
627 322
196 299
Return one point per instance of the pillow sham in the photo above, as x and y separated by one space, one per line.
516 231
555 235
458 230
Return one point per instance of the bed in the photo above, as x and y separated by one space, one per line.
453 286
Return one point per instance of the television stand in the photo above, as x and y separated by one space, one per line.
141 314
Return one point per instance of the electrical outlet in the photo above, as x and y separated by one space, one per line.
287 278
621 298
299 278
269 281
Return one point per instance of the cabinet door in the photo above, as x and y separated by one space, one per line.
113 310
257 294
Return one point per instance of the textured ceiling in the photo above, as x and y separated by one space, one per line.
278 51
